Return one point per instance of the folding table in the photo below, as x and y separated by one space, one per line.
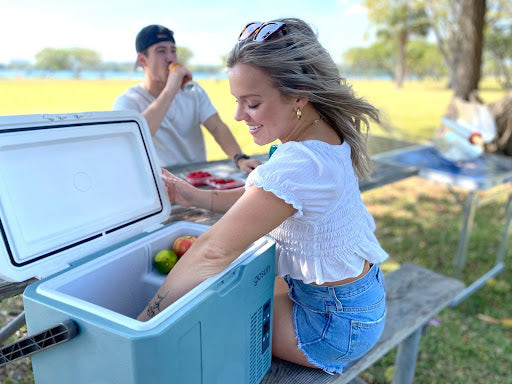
484 173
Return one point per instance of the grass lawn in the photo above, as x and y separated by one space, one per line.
417 220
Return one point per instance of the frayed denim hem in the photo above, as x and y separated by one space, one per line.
331 370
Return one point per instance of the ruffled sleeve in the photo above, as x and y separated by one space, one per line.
298 176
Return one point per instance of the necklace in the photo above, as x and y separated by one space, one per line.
307 134
315 121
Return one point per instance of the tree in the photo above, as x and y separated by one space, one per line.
498 44
425 60
398 20
184 55
375 59
444 16
498 40
471 24
84 58
75 59
53 59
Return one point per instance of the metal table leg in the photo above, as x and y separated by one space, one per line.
462 251
12 327
506 232
405 361
465 232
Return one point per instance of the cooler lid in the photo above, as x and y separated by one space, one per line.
74 184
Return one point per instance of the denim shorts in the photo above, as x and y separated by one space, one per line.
336 325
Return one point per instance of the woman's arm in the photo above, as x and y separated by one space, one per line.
254 215
185 194
156 111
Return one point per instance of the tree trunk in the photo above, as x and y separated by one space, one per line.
502 112
400 64
471 25
467 75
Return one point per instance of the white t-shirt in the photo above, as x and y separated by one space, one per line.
332 233
179 140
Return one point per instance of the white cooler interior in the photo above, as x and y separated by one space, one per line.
119 284
70 187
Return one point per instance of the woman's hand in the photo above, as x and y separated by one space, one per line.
179 191
185 194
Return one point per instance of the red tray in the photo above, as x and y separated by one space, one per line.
197 178
224 183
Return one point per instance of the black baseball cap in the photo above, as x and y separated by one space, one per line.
152 34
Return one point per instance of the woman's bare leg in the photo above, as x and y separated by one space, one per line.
284 341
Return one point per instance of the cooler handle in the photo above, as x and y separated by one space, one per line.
48 338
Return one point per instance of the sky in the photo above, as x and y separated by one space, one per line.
208 28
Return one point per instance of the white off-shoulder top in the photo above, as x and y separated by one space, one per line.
332 233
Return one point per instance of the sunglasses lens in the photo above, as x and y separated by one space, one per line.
249 30
267 30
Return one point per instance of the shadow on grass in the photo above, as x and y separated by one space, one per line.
419 221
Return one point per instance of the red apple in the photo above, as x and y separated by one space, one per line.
182 244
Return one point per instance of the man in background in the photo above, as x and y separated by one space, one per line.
175 112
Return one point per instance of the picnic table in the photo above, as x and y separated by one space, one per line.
383 174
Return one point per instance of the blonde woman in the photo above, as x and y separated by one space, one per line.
329 299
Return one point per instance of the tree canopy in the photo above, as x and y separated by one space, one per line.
398 20
75 59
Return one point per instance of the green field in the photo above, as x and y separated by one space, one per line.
413 111
417 221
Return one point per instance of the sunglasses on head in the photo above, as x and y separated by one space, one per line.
262 31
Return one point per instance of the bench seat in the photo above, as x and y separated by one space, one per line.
414 295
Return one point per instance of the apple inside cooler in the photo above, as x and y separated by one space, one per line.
118 285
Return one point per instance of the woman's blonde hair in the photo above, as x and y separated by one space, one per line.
299 66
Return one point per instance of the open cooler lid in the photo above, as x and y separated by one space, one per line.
74 184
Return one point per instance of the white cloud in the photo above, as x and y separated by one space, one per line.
355 9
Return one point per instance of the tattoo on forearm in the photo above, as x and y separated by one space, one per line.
154 308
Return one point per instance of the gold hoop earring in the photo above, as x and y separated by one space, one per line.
299 114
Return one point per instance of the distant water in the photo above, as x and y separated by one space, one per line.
137 75
91 75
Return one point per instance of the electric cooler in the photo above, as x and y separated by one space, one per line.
81 207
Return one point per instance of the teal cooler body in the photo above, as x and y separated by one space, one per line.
81 207
219 333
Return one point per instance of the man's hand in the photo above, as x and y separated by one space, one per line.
178 74
248 165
